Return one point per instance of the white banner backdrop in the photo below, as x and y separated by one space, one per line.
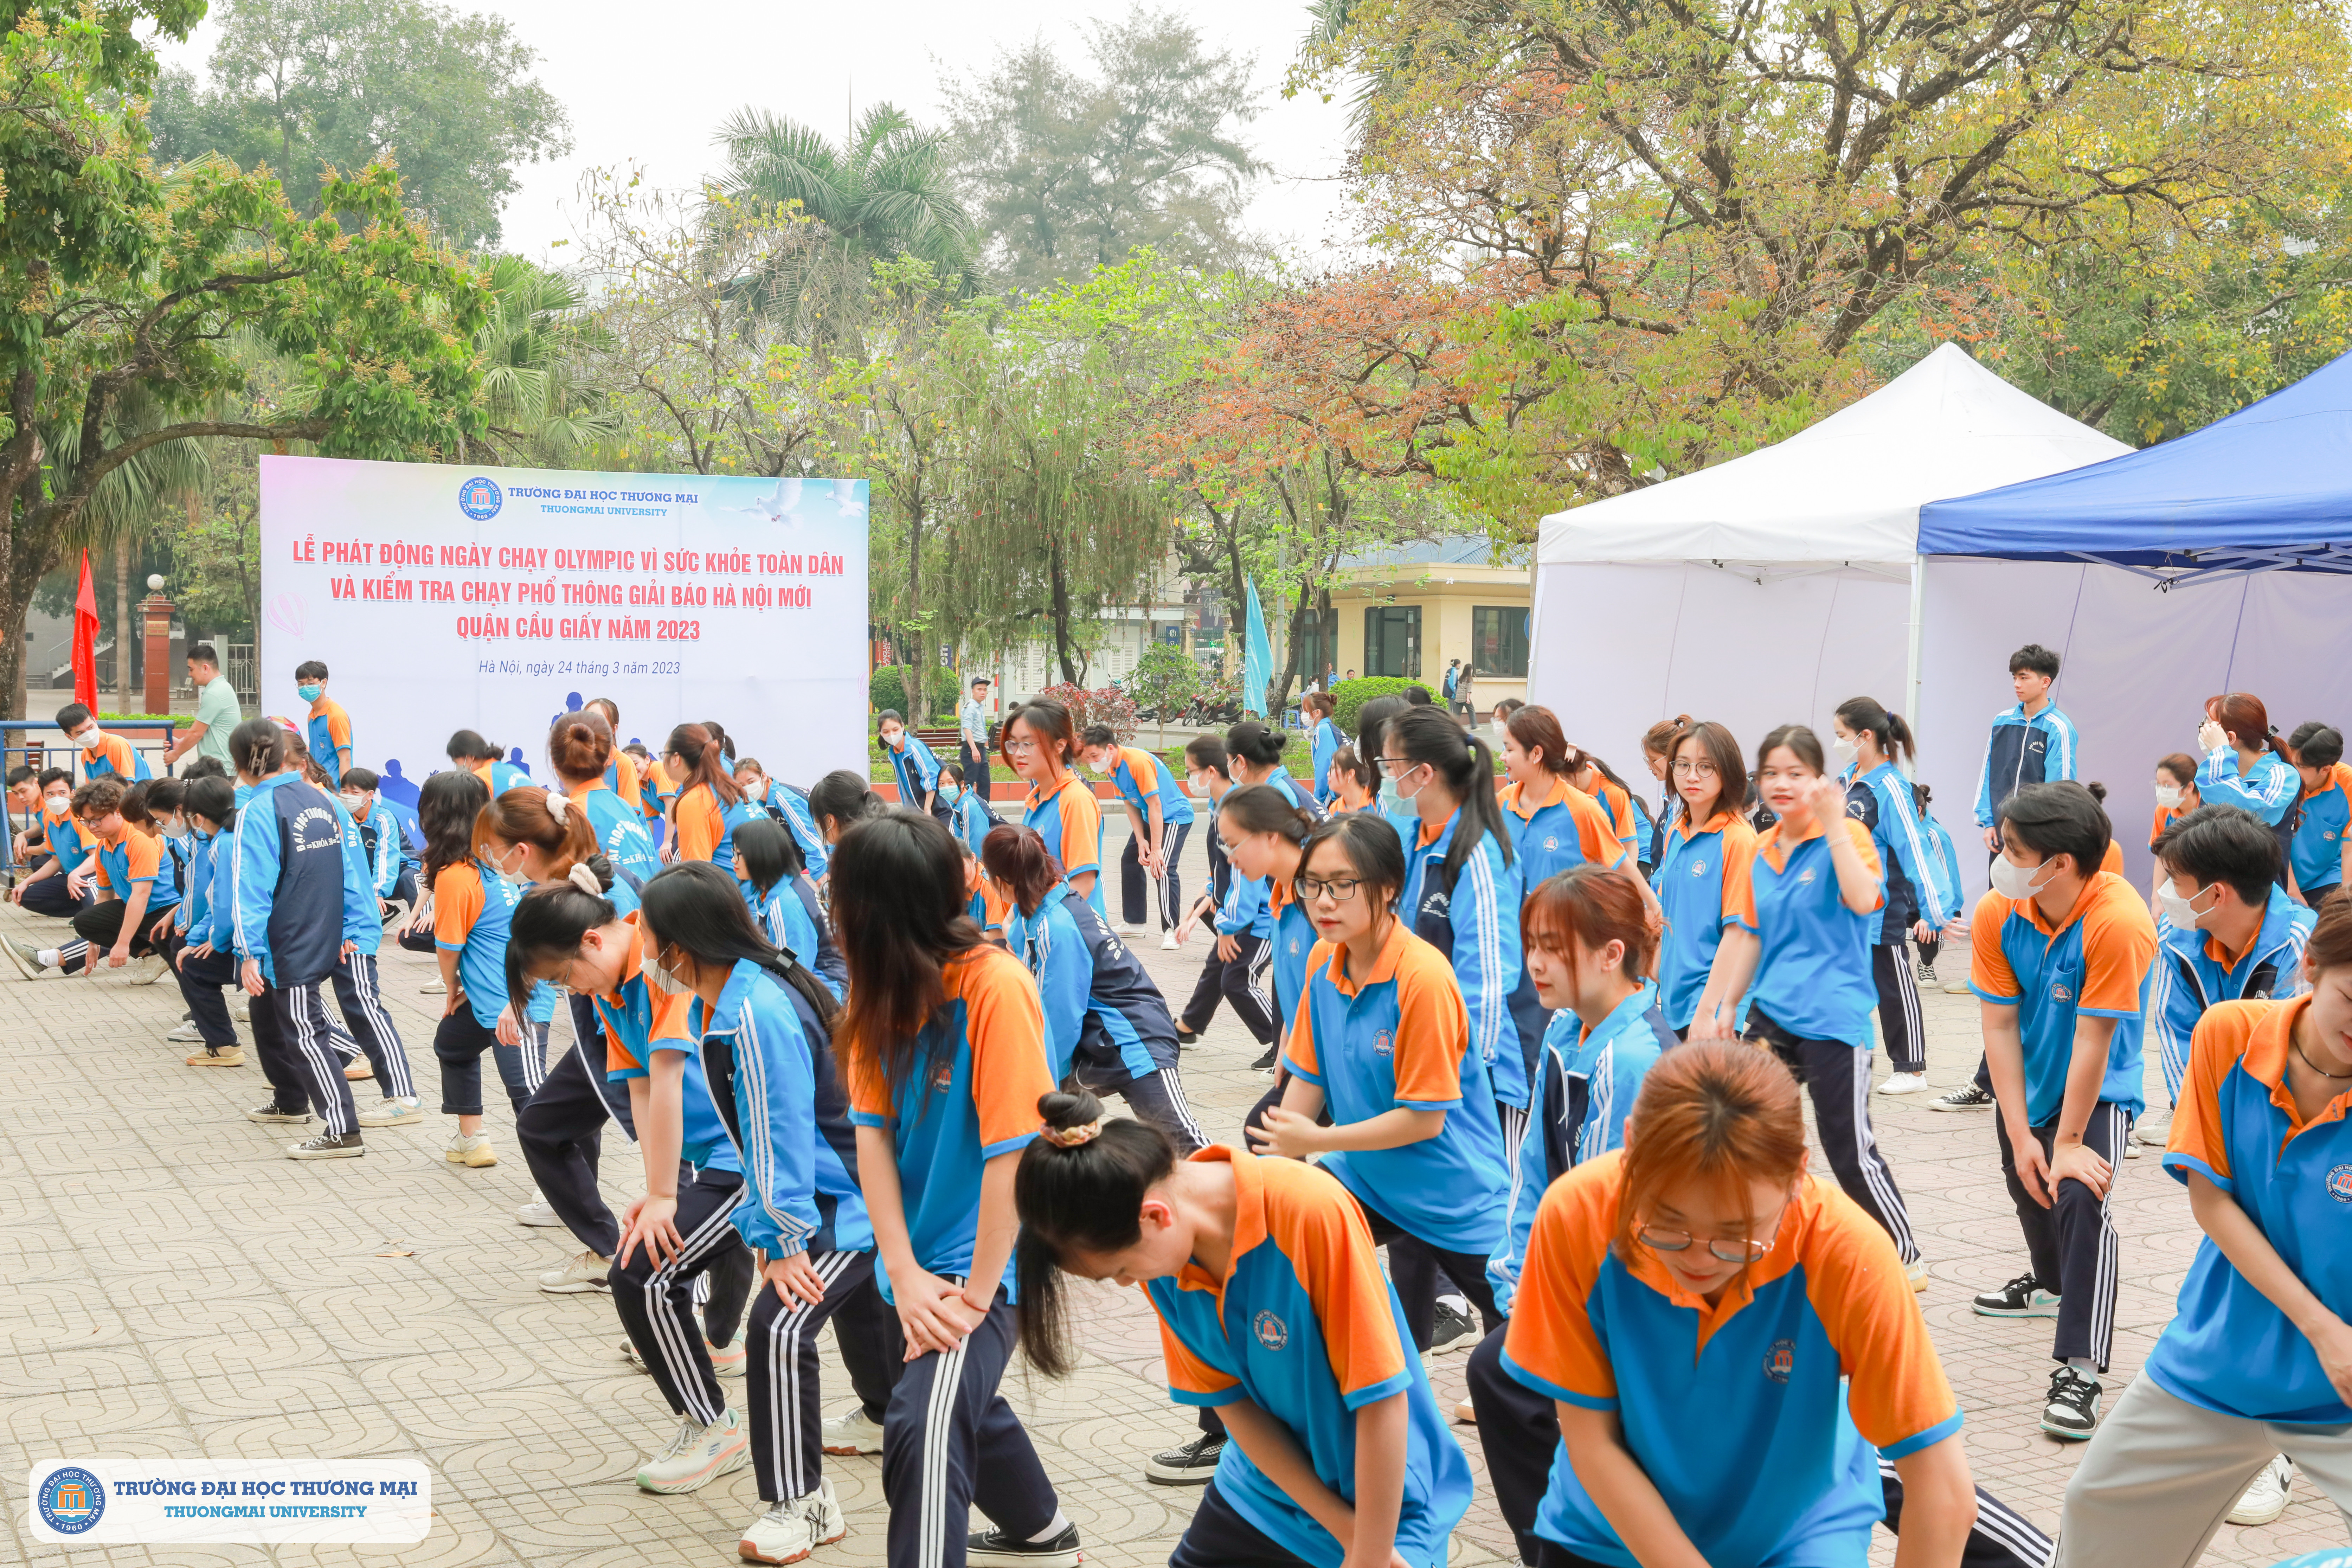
444 598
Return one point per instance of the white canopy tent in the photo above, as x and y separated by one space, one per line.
1767 589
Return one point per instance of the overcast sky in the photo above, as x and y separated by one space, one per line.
651 84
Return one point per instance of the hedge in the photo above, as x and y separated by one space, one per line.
1351 696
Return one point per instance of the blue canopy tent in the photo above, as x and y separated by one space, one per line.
2162 577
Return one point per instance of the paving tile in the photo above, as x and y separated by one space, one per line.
177 1286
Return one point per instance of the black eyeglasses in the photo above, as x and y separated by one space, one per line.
1341 888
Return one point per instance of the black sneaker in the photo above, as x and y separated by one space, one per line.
326 1146
1928 974
1190 1465
270 1110
1185 1036
2022 1297
1264 1063
2073 1412
984 1547
1967 1096
1452 1331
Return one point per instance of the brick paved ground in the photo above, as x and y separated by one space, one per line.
177 1288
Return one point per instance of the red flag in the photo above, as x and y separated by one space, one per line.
85 641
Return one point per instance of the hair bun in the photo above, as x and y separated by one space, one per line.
1070 1119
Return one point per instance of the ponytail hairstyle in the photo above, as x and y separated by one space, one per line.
257 748
1715 745
214 799
1887 731
579 746
447 805
549 823
842 798
693 745
1462 761
770 855
1346 760
1017 857
1594 905
718 738
899 912
1538 731
1262 808
1661 738
1720 1111
2317 745
1322 704
1374 851
694 906
1084 1195
2242 713
1371 731
548 924
467 747
1049 724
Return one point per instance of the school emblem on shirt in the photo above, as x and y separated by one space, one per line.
1805 877
70 1500
1272 1331
1780 1359
2339 1183
1551 841
2058 991
1384 1043
1698 870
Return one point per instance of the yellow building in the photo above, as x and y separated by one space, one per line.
1411 610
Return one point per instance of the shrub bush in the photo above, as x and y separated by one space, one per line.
1351 696
1103 705
887 689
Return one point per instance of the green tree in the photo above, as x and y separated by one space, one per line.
308 86
882 194
120 288
1071 170
533 348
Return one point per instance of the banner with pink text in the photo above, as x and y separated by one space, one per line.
444 598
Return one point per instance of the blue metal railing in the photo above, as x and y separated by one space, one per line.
17 749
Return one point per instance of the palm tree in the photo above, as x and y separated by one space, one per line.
883 193
539 326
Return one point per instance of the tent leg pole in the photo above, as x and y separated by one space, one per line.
1919 602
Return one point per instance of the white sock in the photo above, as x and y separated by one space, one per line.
1061 1522
2084 1365
48 957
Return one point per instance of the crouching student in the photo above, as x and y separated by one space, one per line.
136 880
2257 1360
1752 1447
1273 1311
392 861
763 1022
1381 1036
297 892
945 1063
51 888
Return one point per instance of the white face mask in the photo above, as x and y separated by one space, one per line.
1501 730
512 879
89 739
2011 880
2182 912
353 800
57 803
1405 799
1843 750
177 830
663 979
2167 796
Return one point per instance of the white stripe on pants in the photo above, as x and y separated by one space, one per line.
1515 1133
784 1470
306 1030
679 1341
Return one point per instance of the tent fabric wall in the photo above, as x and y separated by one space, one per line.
1619 647
2136 668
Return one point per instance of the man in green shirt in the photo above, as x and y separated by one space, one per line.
217 712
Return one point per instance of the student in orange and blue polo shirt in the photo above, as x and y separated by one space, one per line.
944 1058
1158 814
102 755
2322 846
1381 1037
1701 1270
2253 1364
2062 955
326 729
1041 745
1273 1311
1798 958
1702 877
1553 824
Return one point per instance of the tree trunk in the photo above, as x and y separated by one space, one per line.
1299 612
122 622
1237 618
1061 610
910 641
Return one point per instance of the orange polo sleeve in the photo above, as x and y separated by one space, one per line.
1899 1396
700 828
456 904
1081 817
1323 1232
1595 834
1989 969
143 856
1188 1373
1739 903
1551 1343
1433 1029
1860 836
1005 1027
1739 852
2118 944
1300 1051
2198 1141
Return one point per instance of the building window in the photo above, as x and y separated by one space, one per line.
1498 641
1392 641
1318 645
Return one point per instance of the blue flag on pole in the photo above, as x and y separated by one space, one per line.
1257 656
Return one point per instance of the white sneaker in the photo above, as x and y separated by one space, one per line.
152 968
784 1534
539 1211
240 1007
1956 986
697 1456
392 1111
2266 1495
433 988
1917 1275
2154 1129
583 1274
1168 943
187 1034
1905 1083
851 1433
825 1515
